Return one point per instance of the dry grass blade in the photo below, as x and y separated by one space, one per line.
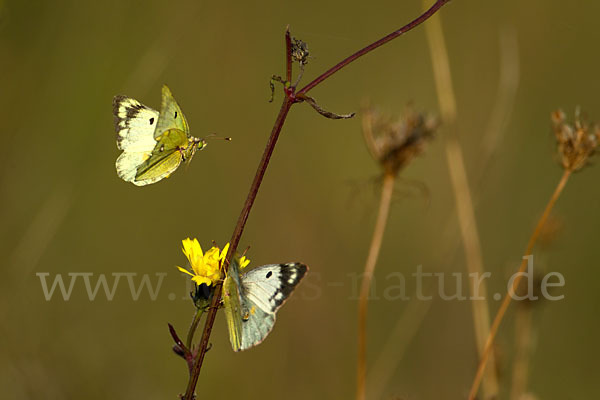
507 299
462 194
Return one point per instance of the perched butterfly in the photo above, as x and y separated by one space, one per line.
251 300
154 144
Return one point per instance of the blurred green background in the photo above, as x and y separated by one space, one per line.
64 209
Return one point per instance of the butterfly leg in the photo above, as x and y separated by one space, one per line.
181 151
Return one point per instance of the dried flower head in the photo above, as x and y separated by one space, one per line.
393 142
576 143
300 52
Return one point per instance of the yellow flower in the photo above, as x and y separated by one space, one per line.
206 267
244 262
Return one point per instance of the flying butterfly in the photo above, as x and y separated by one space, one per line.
154 144
251 300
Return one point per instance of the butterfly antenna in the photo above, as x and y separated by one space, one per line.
214 136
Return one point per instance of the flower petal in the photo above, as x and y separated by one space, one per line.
185 271
192 250
244 262
224 252
199 280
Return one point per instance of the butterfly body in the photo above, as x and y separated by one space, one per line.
172 148
251 300
154 143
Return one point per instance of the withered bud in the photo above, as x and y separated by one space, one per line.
300 52
576 143
394 142
179 351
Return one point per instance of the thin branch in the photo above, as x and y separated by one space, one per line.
176 339
260 173
235 239
462 192
506 302
193 327
382 217
438 4
288 55
181 350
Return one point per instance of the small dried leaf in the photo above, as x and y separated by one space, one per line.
325 113
274 79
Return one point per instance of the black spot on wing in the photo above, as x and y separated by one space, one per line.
291 275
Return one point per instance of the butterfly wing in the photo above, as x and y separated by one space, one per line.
164 159
135 125
128 163
269 286
263 291
232 305
255 327
171 116
156 168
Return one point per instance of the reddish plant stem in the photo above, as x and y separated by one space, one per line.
176 339
260 173
235 239
438 4
288 55
187 355
290 98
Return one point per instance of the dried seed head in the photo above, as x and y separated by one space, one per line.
576 143
300 52
393 142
